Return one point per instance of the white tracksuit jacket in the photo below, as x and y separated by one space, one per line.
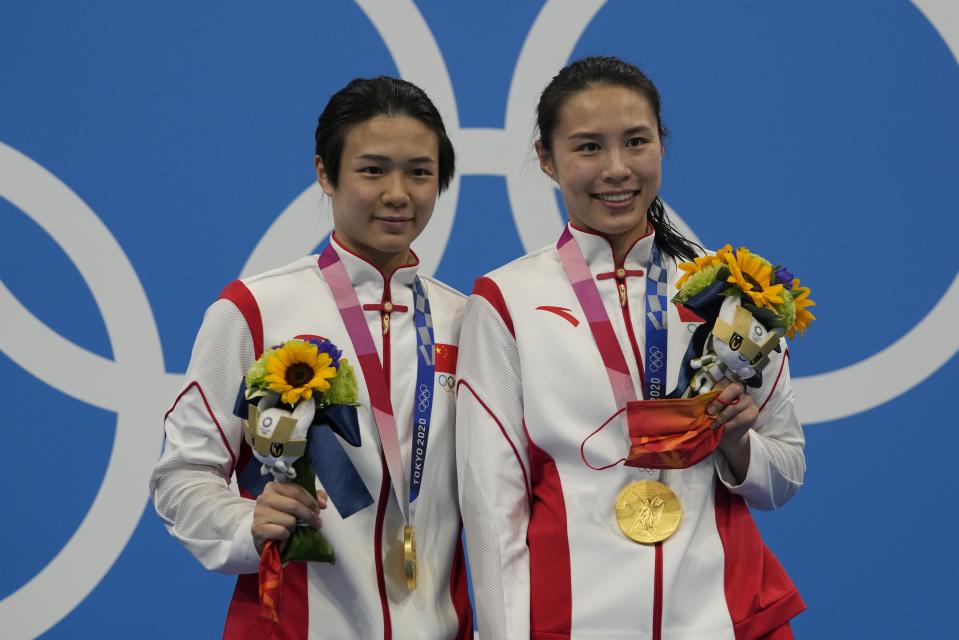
364 595
547 557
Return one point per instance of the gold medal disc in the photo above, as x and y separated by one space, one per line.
648 511
409 556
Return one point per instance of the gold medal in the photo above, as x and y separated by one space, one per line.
409 556
648 511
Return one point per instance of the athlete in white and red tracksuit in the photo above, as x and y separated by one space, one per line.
363 595
382 158
547 557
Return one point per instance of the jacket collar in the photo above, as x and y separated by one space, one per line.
598 252
367 278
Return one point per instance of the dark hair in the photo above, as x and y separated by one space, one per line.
607 70
366 98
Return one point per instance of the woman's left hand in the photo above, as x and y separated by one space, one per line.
734 409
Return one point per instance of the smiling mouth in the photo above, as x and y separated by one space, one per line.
619 196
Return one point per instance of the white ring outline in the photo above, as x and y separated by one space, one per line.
942 16
133 385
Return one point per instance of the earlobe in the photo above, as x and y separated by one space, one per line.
322 177
545 160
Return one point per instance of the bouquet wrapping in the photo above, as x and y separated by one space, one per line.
289 390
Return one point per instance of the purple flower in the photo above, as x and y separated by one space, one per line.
325 346
783 276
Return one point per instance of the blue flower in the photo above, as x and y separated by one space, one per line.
784 277
325 346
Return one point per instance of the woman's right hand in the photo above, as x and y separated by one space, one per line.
279 507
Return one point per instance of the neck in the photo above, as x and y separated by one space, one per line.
623 241
385 261
621 244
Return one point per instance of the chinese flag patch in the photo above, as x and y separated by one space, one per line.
446 357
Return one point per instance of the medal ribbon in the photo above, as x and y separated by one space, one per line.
579 276
657 280
584 286
362 340
577 271
423 394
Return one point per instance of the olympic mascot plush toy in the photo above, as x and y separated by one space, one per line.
738 347
278 437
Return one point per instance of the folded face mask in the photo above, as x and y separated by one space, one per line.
673 433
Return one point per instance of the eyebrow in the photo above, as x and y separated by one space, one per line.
375 157
589 135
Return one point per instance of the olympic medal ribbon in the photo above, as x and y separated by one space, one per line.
584 287
657 321
581 279
335 275
423 394
362 340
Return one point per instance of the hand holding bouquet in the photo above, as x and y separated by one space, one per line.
287 388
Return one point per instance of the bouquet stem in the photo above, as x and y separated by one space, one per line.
306 543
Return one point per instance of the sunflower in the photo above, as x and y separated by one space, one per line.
803 317
752 274
699 264
297 368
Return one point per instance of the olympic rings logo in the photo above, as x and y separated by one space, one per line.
424 398
655 359
446 382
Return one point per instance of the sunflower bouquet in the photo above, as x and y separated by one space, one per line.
751 304
297 368
290 389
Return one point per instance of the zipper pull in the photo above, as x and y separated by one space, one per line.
387 310
622 294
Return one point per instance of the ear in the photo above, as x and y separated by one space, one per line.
322 177
545 160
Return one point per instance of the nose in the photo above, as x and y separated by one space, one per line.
395 193
615 170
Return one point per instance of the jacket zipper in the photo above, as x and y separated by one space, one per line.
386 309
627 318
657 622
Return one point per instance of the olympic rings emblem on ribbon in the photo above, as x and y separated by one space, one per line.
655 359
424 397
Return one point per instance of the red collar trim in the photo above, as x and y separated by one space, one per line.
649 232
340 246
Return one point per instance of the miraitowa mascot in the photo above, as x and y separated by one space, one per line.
738 348
278 437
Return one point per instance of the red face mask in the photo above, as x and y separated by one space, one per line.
673 433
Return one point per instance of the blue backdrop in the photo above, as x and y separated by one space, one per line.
152 152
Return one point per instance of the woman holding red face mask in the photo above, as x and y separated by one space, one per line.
569 534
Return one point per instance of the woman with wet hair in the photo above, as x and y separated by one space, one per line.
565 353
382 157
